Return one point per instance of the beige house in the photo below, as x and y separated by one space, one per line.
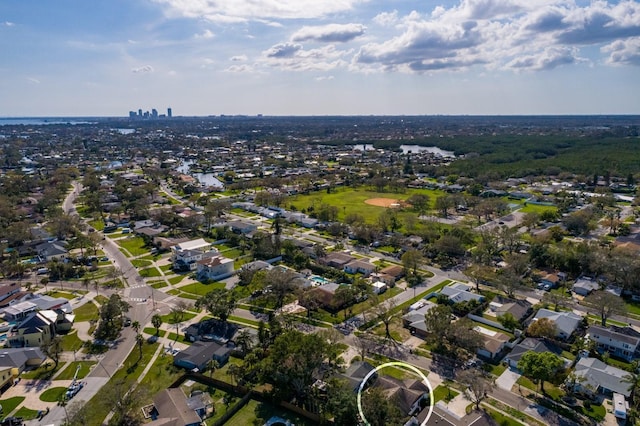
40 328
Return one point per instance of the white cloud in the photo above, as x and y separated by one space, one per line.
142 70
241 10
8 24
548 59
33 80
243 68
293 57
239 58
206 34
323 78
386 19
332 33
623 52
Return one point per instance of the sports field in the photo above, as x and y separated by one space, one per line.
363 201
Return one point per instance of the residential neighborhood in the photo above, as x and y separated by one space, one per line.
219 281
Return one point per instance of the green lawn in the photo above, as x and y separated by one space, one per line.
159 284
550 389
166 268
176 280
61 294
10 404
70 371
130 371
53 394
150 272
352 200
168 319
501 419
134 245
152 331
42 372
86 312
444 393
97 224
160 376
101 299
141 263
257 413
26 413
200 289
71 341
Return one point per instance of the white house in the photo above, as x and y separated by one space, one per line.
458 292
186 254
566 322
621 342
214 268
594 376
379 287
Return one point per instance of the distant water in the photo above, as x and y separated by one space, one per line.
40 121
207 179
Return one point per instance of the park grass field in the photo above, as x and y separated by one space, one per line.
352 200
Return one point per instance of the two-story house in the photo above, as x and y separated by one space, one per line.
621 342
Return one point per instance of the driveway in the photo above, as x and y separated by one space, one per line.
507 379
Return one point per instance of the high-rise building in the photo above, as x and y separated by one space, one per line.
140 112
132 114
169 112
154 113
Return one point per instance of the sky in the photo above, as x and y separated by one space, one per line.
319 57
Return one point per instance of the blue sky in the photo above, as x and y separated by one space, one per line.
319 57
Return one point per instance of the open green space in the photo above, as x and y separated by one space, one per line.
134 245
53 394
150 272
98 407
86 312
166 268
97 224
501 419
168 319
26 413
61 294
159 284
141 263
444 393
200 289
45 371
258 413
176 280
152 331
10 404
70 371
352 200
71 342
160 376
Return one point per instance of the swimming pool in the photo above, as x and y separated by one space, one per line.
318 279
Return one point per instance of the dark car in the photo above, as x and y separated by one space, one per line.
127 321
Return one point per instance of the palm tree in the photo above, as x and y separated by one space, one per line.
244 340
213 366
156 321
234 372
136 326
139 342
633 379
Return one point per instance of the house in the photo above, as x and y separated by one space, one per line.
211 330
172 408
325 294
621 342
214 268
584 286
385 278
198 355
530 344
519 309
21 310
17 360
566 322
35 331
241 227
54 250
595 377
337 260
379 287
493 342
359 267
408 394
8 290
188 260
6 378
414 319
395 271
356 373
458 292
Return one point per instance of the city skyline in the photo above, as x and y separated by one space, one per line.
336 57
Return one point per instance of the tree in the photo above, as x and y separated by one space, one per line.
219 302
156 321
379 410
77 414
605 304
443 204
508 321
341 403
140 343
244 341
125 402
543 327
556 299
111 317
411 260
456 338
633 380
476 387
177 314
282 283
53 349
540 367
383 312
419 202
